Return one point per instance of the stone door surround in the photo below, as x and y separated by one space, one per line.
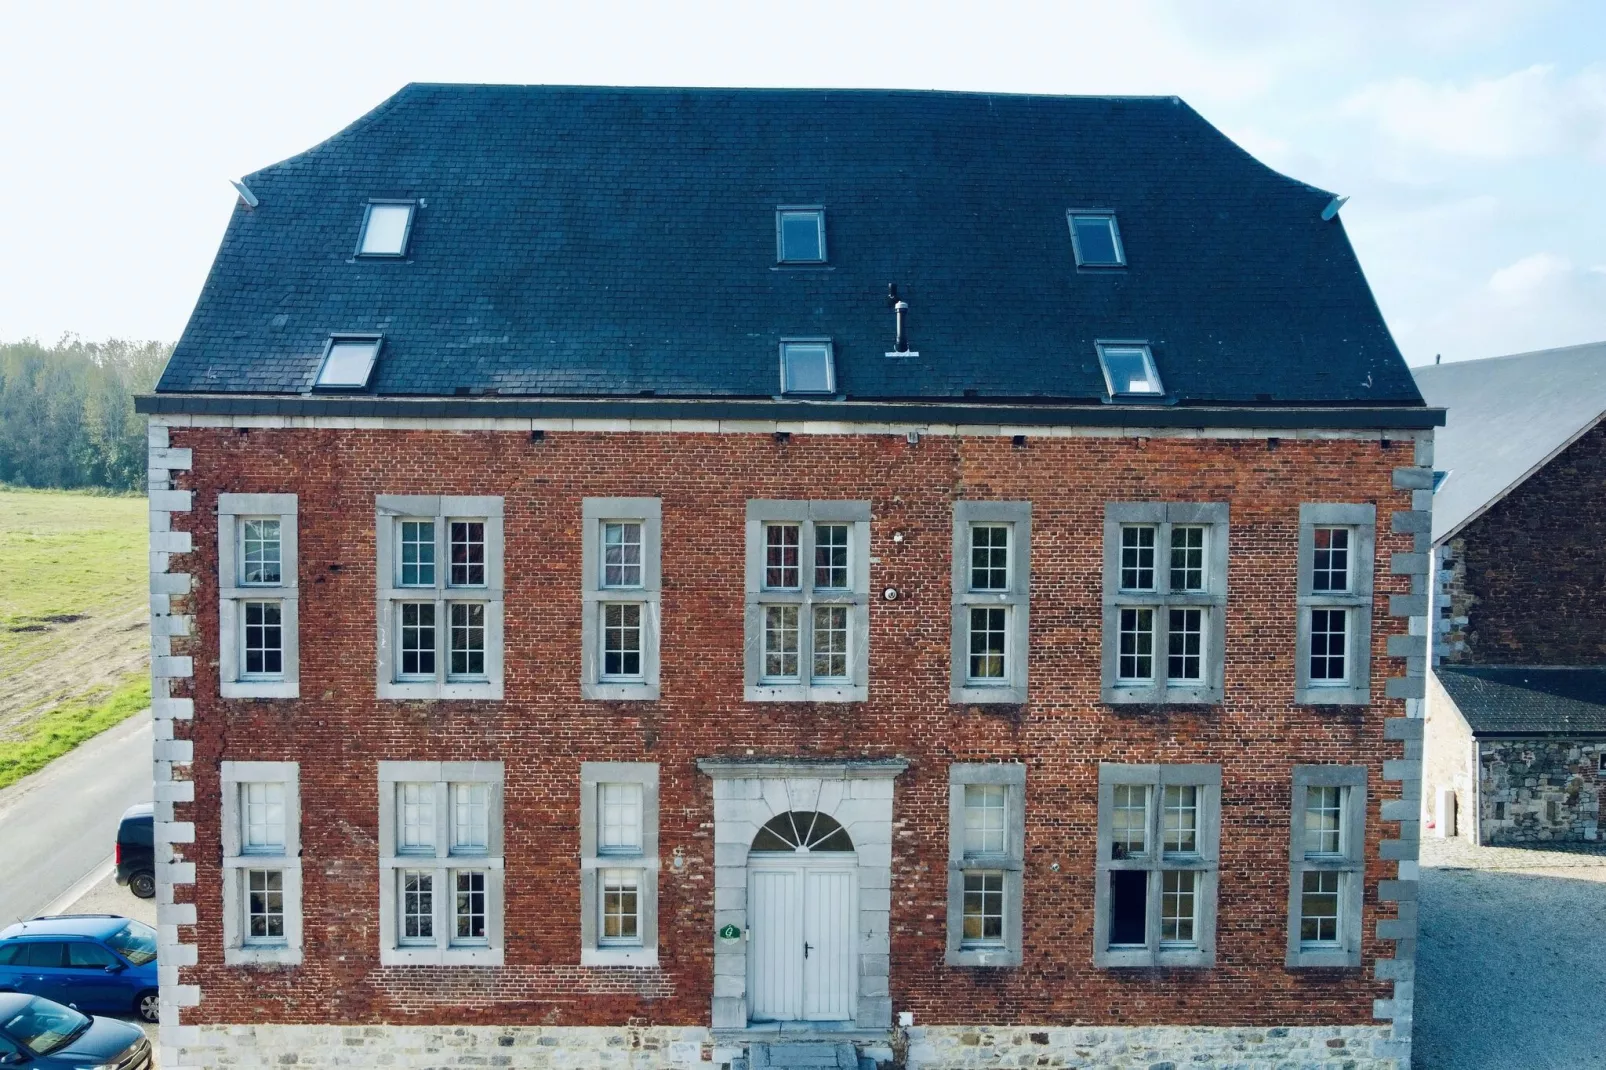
858 794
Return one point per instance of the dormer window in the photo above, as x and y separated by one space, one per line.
1096 239
348 361
385 227
1129 370
807 367
800 235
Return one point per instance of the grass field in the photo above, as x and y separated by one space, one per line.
73 619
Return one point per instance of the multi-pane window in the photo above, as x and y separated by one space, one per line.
262 640
261 863
621 911
262 817
1327 867
258 596
990 601
264 906
1157 862
417 907
621 553
441 862
620 595
417 641
441 599
986 851
1335 604
619 860
807 600
1165 592
261 552
417 553
831 557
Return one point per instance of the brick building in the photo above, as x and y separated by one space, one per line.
596 622
1516 711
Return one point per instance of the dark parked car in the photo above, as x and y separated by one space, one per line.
44 1035
136 854
95 962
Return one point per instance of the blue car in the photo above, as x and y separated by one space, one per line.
93 962
42 1035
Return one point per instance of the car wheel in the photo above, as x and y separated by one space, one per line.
147 1004
143 884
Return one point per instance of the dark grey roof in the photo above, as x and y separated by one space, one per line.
589 242
1506 418
1508 700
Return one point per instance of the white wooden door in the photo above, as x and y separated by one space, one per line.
829 963
775 944
802 960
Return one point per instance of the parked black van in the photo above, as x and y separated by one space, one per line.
136 853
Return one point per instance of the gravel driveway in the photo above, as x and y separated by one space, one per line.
1511 963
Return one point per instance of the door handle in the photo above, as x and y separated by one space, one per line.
807 947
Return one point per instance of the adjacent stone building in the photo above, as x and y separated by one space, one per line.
1517 700
771 578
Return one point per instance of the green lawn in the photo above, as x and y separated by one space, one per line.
74 630
65 553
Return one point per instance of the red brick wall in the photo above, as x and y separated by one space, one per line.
338 730
1529 575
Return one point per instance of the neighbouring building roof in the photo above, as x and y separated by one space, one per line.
1506 418
1504 700
591 242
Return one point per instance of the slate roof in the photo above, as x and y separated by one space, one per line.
1504 700
596 242
1506 418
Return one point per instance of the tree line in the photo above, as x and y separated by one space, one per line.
67 412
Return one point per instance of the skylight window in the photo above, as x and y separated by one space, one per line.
806 367
800 235
1096 240
385 227
348 361
1129 371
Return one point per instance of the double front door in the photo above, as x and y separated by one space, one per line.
802 956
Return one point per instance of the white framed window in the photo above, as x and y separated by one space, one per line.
800 234
1327 865
620 595
348 361
1165 598
1129 370
986 860
258 596
386 226
808 366
991 586
1158 856
439 583
1095 239
619 864
808 595
261 862
1334 637
440 863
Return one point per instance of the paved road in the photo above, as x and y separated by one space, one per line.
1511 960
59 825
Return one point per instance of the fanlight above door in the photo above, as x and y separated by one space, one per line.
802 830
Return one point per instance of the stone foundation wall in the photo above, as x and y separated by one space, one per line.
1540 790
242 1047
1355 1047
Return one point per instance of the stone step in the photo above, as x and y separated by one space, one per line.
804 1055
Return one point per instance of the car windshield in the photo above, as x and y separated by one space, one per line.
42 1026
135 941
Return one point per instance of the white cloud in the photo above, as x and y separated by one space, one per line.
1540 301
1531 112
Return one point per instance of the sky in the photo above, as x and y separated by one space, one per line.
1469 135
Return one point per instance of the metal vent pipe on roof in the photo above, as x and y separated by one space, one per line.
900 310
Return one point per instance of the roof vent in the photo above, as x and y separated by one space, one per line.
900 312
